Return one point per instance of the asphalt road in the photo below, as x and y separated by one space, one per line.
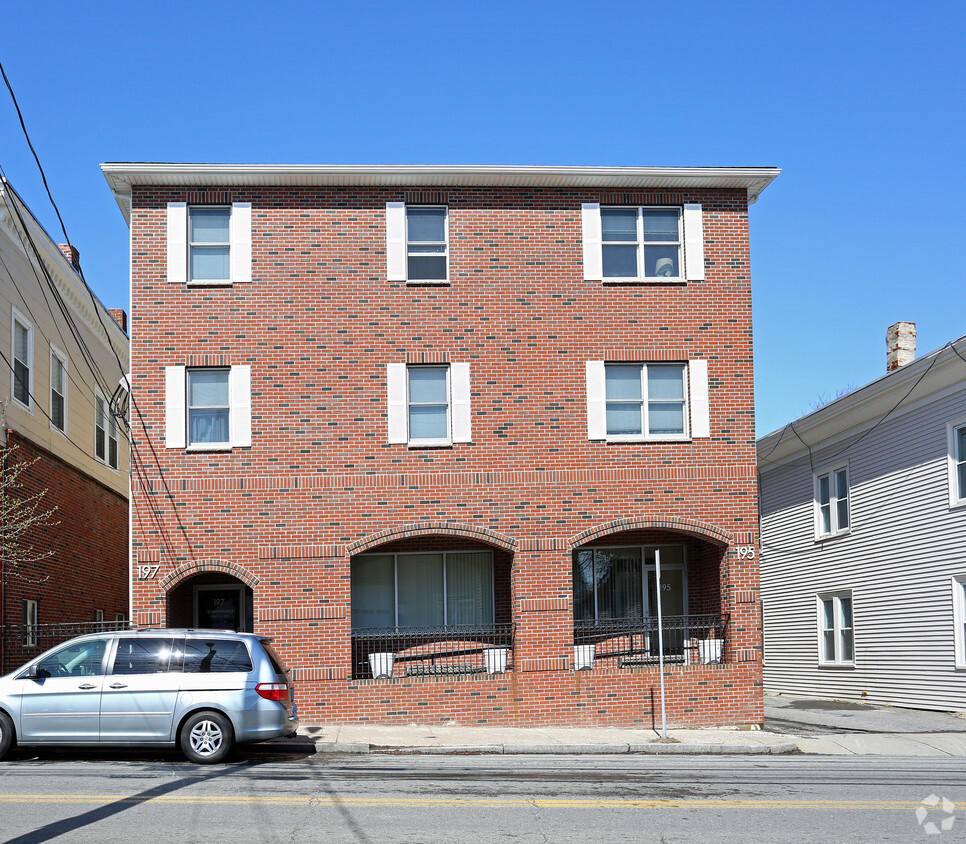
114 796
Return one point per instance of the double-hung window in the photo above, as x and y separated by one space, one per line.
417 243
208 408
209 245
105 432
956 437
835 629
429 404
23 341
58 391
422 590
643 243
832 502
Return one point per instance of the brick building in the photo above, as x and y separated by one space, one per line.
66 356
435 429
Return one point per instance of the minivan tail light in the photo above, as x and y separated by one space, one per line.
273 691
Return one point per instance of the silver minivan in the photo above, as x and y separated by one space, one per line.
202 690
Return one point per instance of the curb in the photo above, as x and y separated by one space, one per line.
654 748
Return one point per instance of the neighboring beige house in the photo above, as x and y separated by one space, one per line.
63 364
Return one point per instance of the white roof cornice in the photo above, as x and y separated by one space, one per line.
123 176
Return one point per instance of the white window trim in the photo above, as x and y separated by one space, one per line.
179 244
951 428
31 373
458 405
239 413
397 244
110 425
835 531
836 598
213 282
959 620
690 243
644 436
62 358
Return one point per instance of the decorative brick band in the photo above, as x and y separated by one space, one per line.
747 655
526 478
299 552
548 543
647 354
186 570
744 537
427 197
560 663
640 198
464 531
148 555
427 357
544 605
304 613
691 527
301 675
746 597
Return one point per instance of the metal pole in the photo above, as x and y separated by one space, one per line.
660 639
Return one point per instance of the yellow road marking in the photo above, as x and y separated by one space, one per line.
492 802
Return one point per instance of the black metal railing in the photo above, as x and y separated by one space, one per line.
427 651
20 643
633 642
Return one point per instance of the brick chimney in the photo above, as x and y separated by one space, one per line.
71 253
119 315
900 345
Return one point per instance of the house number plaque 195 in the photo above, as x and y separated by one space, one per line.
746 552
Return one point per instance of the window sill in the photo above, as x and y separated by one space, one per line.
668 439
957 505
659 281
440 282
201 449
837 666
209 283
825 537
429 444
25 407
116 470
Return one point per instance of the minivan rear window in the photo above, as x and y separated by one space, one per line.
215 656
277 665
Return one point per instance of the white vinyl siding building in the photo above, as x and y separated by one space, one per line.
897 560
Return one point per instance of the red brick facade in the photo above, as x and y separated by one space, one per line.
320 484
90 543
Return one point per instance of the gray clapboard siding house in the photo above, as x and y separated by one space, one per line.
863 538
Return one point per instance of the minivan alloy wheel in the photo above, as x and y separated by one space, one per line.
206 737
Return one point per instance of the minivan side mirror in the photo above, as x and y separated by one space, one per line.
35 672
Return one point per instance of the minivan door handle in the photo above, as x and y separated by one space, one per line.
115 686
87 686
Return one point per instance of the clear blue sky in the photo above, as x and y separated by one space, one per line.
861 104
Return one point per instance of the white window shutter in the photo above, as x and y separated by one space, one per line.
593 261
459 374
396 394
240 396
177 242
240 226
396 241
700 403
174 407
596 401
693 242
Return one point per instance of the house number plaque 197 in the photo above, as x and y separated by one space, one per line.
147 572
